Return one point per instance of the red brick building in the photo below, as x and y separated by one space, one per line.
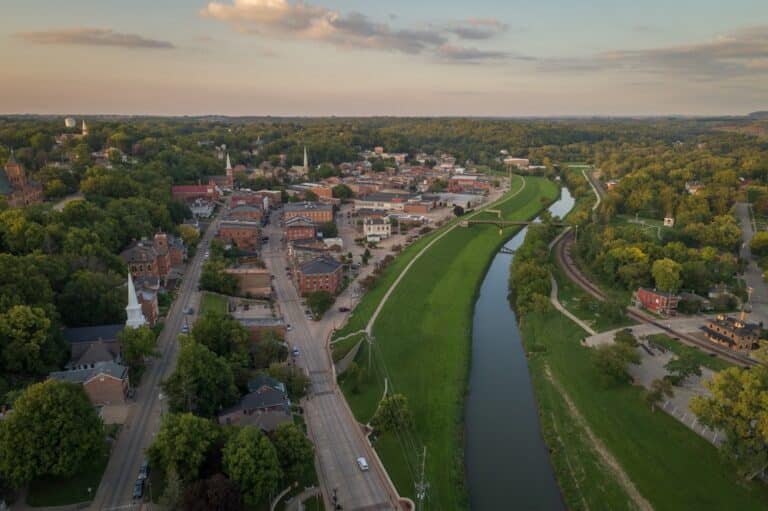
468 183
316 212
156 258
299 228
246 212
658 302
242 233
209 192
14 185
321 274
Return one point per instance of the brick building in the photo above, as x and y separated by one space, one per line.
246 212
376 229
105 383
316 212
155 259
320 274
242 233
660 303
16 188
209 192
733 333
299 228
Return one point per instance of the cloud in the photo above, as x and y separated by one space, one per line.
741 53
92 37
478 28
299 20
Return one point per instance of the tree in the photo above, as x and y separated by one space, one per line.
189 234
270 348
171 497
624 336
217 493
666 274
329 230
310 196
659 389
737 408
136 345
221 333
251 461
683 366
392 414
29 346
295 379
458 210
612 361
320 302
342 191
294 450
202 382
53 431
182 444
214 278
759 245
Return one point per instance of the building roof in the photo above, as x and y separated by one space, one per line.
140 251
239 224
304 206
92 333
299 221
244 208
264 397
375 221
83 375
320 266
388 197
262 380
5 185
87 353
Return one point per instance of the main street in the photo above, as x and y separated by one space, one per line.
337 436
143 421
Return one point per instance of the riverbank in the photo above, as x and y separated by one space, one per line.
422 346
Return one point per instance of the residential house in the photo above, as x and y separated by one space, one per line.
656 301
376 229
265 408
93 344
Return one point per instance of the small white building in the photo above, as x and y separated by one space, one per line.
376 229
669 221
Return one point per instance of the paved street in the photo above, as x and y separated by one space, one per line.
144 418
752 273
335 432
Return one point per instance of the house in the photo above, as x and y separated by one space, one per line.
376 229
299 228
669 221
321 274
252 281
242 233
316 212
265 408
93 344
261 380
16 188
733 333
303 250
209 192
105 383
658 302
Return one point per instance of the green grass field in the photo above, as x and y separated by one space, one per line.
62 491
678 348
423 343
213 302
672 467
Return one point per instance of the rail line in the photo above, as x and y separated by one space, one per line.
564 259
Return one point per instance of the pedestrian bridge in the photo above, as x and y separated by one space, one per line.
506 223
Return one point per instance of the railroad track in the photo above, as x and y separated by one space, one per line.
565 260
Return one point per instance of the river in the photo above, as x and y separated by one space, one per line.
507 462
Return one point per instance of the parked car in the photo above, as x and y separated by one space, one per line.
288 327
138 489
189 310
343 309
185 329
362 463
295 352
144 470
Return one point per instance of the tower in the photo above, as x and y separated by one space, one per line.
306 161
133 309
85 129
229 172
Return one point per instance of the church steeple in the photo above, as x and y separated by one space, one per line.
135 318
229 164
85 129
306 161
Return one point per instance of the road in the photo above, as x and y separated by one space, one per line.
143 421
337 436
752 273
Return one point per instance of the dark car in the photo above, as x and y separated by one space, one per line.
343 309
138 489
144 470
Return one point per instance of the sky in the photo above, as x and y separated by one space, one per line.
401 58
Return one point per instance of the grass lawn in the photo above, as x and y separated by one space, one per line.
672 467
423 344
340 349
702 357
60 491
213 302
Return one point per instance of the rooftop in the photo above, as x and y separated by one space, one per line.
92 333
83 375
302 206
320 265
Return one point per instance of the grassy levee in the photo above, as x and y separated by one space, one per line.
423 347
672 467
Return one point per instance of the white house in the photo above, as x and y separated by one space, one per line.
376 229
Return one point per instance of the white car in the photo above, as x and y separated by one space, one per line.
362 463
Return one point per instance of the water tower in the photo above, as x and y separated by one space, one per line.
70 122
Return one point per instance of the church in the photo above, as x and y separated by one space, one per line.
16 188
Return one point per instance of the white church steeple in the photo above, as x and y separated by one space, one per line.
306 161
85 129
133 309
229 164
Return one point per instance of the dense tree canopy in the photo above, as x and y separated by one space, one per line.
251 461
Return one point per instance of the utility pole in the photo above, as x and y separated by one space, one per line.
370 350
422 485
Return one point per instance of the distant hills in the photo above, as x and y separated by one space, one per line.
762 114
